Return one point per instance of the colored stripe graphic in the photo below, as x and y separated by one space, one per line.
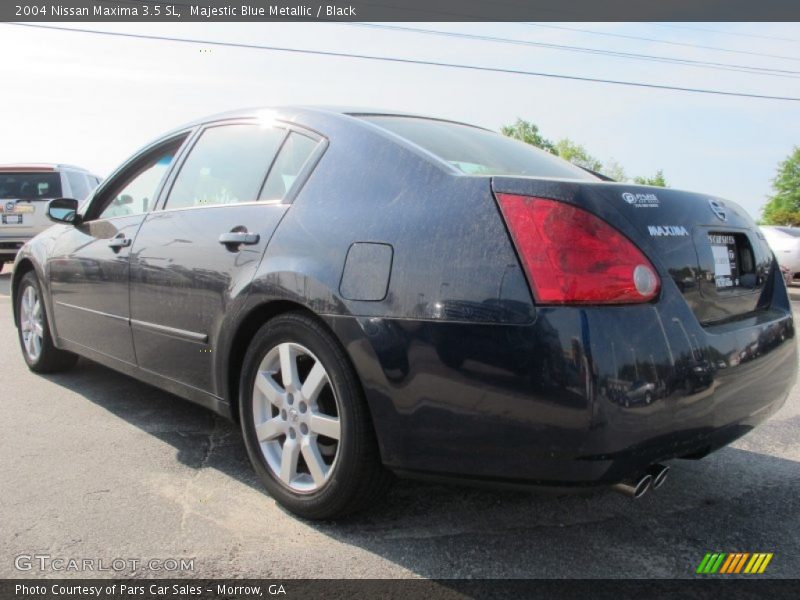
764 564
734 562
703 563
726 566
718 564
741 562
758 563
711 563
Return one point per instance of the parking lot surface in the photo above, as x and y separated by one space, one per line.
96 465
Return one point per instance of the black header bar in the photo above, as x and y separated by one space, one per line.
65 11
400 589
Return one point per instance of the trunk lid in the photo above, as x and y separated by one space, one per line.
709 247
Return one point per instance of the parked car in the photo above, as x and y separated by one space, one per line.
641 392
25 191
369 293
785 243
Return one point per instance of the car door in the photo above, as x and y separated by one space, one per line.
195 255
89 266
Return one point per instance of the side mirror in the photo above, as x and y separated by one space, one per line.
63 210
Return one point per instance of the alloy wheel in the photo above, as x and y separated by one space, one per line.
32 323
296 417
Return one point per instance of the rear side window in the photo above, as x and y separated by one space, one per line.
293 156
78 185
30 186
227 165
476 151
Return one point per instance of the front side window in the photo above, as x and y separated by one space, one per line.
476 151
136 192
227 165
30 186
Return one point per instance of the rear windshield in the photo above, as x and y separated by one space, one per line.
476 151
30 186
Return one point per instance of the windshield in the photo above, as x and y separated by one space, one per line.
30 186
476 151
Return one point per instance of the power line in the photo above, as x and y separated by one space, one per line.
587 50
659 41
397 60
721 32
552 10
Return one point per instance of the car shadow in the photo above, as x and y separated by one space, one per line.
738 499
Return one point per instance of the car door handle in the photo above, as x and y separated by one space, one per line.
235 238
119 242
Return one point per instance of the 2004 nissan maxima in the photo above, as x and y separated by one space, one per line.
371 293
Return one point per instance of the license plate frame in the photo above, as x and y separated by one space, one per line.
12 219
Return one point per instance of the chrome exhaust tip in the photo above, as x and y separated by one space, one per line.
634 488
659 474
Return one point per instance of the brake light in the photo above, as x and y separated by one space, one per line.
573 257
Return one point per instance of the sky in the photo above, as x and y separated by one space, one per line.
94 100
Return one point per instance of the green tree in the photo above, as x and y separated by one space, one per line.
611 168
577 155
527 132
657 180
783 217
783 207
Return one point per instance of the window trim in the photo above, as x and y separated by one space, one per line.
291 194
305 171
108 184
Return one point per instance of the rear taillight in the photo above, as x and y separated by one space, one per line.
572 257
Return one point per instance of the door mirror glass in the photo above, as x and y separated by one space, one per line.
63 210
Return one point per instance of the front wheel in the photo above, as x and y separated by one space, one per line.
34 334
305 421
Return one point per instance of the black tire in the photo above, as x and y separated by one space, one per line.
50 358
357 479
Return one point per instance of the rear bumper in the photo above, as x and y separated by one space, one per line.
581 396
10 245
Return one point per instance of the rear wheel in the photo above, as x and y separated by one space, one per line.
34 334
305 421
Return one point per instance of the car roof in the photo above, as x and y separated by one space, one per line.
38 167
297 112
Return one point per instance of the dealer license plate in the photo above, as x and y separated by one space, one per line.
726 265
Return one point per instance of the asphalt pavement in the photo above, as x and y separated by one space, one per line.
97 466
